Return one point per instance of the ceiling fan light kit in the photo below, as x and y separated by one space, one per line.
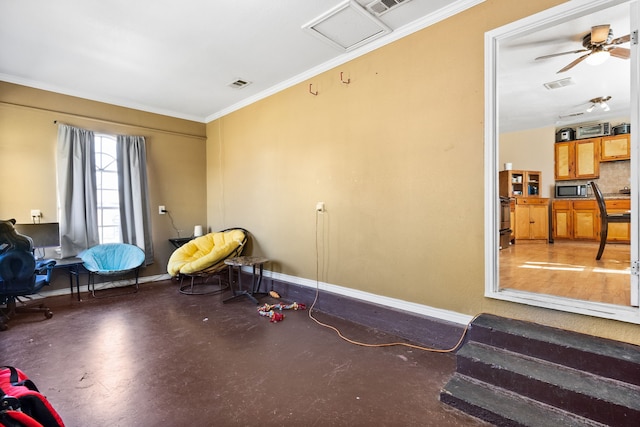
600 101
597 57
598 45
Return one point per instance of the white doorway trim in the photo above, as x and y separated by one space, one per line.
493 38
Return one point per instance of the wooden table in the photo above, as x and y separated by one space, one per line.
257 265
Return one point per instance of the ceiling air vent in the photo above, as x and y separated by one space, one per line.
570 115
347 26
559 83
379 7
239 84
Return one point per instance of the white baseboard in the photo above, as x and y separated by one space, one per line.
449 316
105 285
425 310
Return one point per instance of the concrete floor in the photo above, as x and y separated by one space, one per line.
162 358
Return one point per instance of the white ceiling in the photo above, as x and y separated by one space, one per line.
178 58
524 102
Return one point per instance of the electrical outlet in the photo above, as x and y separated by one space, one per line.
36 213
162 210
320 207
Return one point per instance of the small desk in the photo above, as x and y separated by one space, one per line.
256 279
73 266
179 241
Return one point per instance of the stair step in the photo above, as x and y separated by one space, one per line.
605 400
503 408
599 356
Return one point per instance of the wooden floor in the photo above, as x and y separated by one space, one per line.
568 269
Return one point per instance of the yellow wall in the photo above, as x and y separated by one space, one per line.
396 155
176 163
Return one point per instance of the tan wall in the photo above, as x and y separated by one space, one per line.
397 156
176 163
530 150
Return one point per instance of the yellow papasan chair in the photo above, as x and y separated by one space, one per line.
203 257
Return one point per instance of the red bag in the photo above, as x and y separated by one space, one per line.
17 419
19 396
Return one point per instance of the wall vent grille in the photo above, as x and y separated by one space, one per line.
570 115
239 84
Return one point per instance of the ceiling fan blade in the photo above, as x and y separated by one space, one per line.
574 63
620 52
561 53
599 34
620 40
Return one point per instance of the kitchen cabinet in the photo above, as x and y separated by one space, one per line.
561 219
586 220
519 183
580 220
577 219
577 159
532 219
615 147
618 232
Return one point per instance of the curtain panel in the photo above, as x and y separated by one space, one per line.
135 210
76 190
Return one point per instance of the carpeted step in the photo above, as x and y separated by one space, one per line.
599 356
605 400
503 408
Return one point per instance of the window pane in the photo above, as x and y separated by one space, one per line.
110 235
108 198
107 185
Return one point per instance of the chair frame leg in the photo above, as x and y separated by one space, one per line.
12 308
603 239
203 287
91 286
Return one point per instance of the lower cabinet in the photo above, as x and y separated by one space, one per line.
561 213
576 220
619 232
531 219
580 220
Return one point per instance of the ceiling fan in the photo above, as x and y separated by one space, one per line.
599 44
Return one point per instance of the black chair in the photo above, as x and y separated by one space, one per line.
606 218
20 274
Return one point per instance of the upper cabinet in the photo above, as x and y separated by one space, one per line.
577 159
615 147
519 183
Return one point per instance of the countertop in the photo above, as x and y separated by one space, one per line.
607 196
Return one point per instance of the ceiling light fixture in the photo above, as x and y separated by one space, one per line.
597 57
601 102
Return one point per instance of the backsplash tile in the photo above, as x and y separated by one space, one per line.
614 176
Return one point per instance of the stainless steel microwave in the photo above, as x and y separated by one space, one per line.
565 191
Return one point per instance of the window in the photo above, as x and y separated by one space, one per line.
107 186
103 191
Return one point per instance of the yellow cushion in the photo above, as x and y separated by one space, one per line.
203 252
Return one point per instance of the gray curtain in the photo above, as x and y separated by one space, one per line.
135 211
77 190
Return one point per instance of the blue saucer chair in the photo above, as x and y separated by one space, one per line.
112 260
